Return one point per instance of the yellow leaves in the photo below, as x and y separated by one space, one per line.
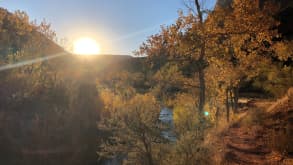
143 101
167 73
189 149
185 112
111 101
185 118
284 50
140 107
19 21
212 112
246 28
272 76
245 17
144 108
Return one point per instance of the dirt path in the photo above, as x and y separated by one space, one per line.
248 141
248 146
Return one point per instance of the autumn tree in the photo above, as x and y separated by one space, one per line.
245 33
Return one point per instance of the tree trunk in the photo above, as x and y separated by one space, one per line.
227 105
236 96
201 59
231 97
217 116
202 87
148 150
150 158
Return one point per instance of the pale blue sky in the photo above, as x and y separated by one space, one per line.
119 26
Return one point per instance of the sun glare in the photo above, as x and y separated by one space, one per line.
86 46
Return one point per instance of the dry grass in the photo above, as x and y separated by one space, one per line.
283 104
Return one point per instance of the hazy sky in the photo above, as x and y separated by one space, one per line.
119 26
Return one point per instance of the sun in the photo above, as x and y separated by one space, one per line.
86 46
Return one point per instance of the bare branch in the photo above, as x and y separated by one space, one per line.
199 12
189 5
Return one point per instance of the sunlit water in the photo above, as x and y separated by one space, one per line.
166 117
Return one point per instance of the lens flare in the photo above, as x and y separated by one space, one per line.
32 61
206 113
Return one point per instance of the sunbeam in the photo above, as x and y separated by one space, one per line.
28 62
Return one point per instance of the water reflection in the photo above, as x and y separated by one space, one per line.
166 117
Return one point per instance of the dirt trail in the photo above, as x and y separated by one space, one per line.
249 140
248 146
